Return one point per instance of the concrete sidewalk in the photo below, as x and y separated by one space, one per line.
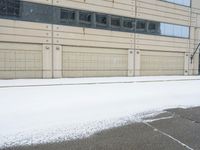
176 129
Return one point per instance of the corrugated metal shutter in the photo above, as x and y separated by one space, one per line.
162 63
94 62
20 60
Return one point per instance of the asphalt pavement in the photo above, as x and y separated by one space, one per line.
174 129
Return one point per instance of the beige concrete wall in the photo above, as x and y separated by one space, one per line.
93 52
144 9
67 35
25 49
25 32
162 11
115 7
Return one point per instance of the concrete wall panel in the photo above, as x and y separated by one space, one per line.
162 11
25 32
66 35
115 7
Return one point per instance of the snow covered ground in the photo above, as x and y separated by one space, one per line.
66 110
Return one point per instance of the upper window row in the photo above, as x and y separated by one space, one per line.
180 2
104 21
55 15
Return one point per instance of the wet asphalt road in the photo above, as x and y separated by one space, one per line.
175 129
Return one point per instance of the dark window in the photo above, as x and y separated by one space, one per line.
128 23
67 14
101 19
141 25
85 17
36 12
115 21
10 8
153 27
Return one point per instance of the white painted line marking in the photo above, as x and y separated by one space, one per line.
158 119
163 133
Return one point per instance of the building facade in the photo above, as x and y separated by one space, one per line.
98 38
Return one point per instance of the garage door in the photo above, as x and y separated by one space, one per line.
162 63
94 62
20 60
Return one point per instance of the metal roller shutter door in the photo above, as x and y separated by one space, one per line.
162 63
94 62
20 60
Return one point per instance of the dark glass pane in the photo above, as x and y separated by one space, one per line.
101 19
3 7
10 8
141 25
67 15
128 23
37 12
85 17
154 27
115 21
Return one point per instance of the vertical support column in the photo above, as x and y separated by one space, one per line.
137 63
57 61
131 62
186 65
47 61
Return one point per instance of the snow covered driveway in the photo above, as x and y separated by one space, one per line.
35 114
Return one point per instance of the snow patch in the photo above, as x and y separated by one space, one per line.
31 115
